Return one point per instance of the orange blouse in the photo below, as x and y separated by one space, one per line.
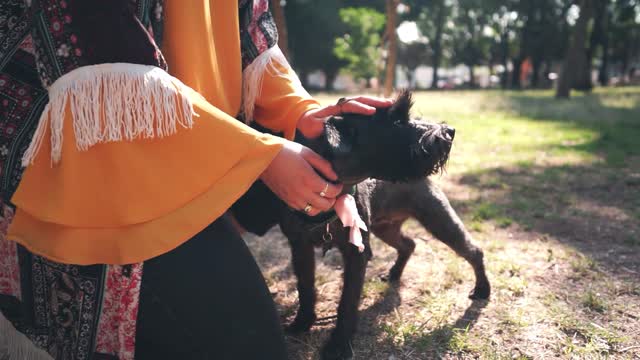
128 201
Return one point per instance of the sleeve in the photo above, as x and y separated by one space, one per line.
272 93
282 101
173 186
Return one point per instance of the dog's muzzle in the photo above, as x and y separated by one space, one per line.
448 133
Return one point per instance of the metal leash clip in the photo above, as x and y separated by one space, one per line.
327 239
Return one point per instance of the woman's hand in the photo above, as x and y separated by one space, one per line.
311 123
291 176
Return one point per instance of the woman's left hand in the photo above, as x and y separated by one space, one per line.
311 123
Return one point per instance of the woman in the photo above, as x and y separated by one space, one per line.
117 241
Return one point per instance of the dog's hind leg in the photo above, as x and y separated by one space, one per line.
303 260
391 233
433 211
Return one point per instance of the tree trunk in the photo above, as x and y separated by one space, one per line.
504 42
281 24
392 49
598 33
535 75
585 64
547 70
330 78
437 44
576 52
603 72
517 71
472 77
410 78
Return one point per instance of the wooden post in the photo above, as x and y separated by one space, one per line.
392 48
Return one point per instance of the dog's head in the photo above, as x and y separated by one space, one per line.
387 146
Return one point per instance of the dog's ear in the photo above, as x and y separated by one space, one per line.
401 108
339 135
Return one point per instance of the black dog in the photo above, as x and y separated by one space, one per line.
384 160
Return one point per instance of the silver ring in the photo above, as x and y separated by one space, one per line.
323 193
307 208
342 101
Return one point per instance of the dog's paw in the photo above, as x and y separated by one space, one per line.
392 277
481 292
337 350
300 324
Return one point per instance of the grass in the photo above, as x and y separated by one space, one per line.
549 189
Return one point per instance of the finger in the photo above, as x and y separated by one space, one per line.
332 191
374 101
351 106
320 203
312 212
357 107
320 164
327 111
314 181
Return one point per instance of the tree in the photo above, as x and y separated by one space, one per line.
441 12
625 35
431 17
599 38
503 24
576 52
534 31
359 47
313 50
410 56
604 31
470 45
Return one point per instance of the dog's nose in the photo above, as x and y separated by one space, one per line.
451 132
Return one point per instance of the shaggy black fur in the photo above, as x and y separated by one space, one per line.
387 157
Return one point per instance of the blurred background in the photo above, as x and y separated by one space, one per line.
348 45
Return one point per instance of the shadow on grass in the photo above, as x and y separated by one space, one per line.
595 209
444 338
452 337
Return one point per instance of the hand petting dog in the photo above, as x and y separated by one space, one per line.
311 123
291 175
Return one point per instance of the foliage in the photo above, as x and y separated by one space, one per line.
500 34
313 27
359 47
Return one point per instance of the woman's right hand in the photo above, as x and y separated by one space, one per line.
291 176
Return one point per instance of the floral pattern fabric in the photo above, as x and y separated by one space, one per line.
73 312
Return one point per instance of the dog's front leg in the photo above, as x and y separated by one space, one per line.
303 260
355 265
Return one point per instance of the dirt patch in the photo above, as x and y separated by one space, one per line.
565 286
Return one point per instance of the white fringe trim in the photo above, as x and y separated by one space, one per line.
253 75
16 346
112 102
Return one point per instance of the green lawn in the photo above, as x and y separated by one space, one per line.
550 190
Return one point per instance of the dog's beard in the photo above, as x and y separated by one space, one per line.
438 147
